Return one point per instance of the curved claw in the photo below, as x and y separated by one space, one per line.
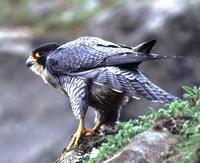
80 132
75 139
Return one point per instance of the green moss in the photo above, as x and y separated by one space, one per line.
114 143
186 116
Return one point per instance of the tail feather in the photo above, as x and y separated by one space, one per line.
145 47
134 83
150 91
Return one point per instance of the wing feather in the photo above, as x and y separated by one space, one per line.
133 83
87 53
76 89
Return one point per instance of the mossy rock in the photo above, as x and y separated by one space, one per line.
180 119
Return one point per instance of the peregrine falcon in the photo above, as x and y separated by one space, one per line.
97 73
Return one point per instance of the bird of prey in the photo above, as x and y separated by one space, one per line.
97 73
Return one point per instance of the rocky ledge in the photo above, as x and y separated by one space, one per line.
170 134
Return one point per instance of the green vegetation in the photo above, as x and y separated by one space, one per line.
64 16
190 134
186 125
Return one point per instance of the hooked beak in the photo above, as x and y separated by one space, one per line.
29 62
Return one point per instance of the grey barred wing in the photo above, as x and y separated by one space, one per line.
73 59
77 90
78 56
133 83
87 53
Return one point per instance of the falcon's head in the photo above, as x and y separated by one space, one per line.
37 60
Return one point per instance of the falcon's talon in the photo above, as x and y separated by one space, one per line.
71 144
89 132
76 137
81 131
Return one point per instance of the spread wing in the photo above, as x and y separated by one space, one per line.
87 53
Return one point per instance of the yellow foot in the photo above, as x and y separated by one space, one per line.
76 137
89 132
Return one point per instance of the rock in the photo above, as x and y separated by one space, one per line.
86 145
146 147
150 146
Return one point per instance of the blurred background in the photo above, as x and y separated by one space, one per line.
36 121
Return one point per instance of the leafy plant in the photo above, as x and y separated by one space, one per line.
189 134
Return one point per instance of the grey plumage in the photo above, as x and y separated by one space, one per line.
88 53
105 64
95 72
